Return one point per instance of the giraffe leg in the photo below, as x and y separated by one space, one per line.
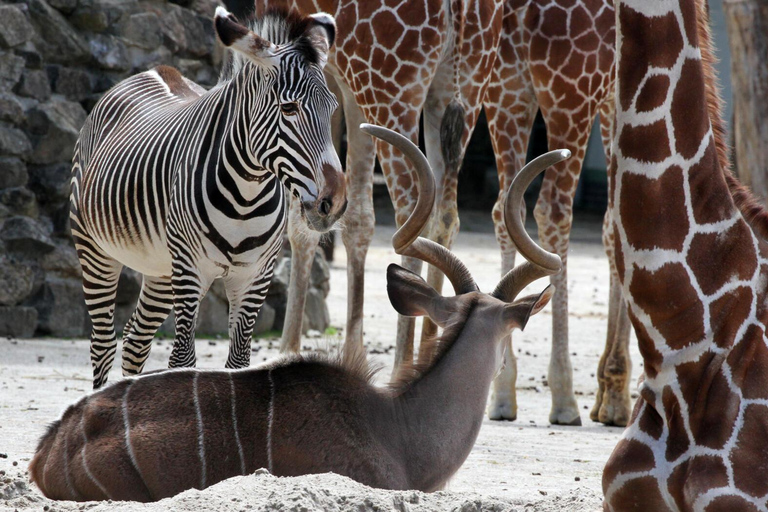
303 246
400 183
100 276
359 221
510 107
189 288
444 224
612 401
553 212
246 297
154 306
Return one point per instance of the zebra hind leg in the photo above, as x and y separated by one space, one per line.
244 306
100 276
154 306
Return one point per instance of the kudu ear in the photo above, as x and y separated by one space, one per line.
517 313
410 295
322 34
240 39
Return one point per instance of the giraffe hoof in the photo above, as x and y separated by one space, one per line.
565 419
501 412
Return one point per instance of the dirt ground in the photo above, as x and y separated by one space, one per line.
522 465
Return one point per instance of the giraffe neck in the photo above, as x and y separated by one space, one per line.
686 257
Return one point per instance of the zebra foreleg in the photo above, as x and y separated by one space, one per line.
189 289
100 276
244 306
154 306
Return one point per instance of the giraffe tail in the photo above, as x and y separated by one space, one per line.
451 131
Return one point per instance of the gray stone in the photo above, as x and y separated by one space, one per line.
14 26
280 278
320 274
109 52
20 201
60 42
26 237
65 6
13 141
32 57
141 59
51 183
11 68
10 109
18 321
61 308
172 28
316 315
98 15
56 127
213 316
13 172
142 30
62 261
266 319
34 84
198 32
75 84
16 281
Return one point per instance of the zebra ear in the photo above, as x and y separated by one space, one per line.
322 33
237 37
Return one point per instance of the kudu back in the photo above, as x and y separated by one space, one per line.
153 436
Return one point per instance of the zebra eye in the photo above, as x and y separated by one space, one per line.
290 109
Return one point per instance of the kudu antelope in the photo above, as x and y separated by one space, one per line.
149 437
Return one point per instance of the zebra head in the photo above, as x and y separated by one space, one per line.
279 59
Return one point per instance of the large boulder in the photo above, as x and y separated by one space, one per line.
14 26
13 172
18 321
55 126
58 41
34 84
25 237
17 281
19 201
11 110
60 306
13 141
99 15
75 84
143 30
109 52
11 68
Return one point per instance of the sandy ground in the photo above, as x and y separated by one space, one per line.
522 465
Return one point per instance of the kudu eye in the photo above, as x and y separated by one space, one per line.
289 109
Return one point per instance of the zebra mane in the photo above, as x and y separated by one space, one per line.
281 27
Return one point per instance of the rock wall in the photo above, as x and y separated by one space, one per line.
57 57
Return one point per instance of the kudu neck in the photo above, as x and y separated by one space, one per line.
437 418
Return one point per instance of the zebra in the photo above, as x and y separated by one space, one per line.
186 185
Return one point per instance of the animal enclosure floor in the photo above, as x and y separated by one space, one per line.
522 465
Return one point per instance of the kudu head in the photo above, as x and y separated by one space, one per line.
493 315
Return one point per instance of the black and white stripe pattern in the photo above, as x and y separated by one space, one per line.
186 186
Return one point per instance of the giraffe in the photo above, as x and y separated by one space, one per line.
391 61
556 55
692 259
